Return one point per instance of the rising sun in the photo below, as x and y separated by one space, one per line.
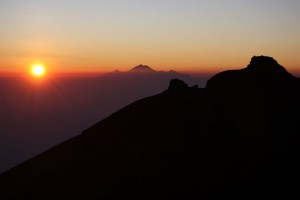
38 70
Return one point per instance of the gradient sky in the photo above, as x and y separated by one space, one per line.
184 35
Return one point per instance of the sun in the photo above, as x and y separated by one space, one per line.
38 70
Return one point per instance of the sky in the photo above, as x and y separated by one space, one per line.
183 35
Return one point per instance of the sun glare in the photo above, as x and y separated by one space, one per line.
38 70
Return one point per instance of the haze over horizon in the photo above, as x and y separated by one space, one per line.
101 36
120 99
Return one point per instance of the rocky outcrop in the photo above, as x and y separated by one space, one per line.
263 71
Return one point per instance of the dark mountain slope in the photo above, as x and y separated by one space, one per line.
184 143
37 115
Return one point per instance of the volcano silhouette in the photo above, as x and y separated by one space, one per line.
240 133
142 68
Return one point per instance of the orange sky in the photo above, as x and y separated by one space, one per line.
97 36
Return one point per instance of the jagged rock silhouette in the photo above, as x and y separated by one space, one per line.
180 144
176 84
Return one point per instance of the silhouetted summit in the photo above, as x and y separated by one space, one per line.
266 66
263 71
142 68
238 135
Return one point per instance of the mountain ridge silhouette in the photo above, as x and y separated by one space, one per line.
263 71
186 142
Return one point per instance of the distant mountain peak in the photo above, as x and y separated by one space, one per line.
142 68
173 72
